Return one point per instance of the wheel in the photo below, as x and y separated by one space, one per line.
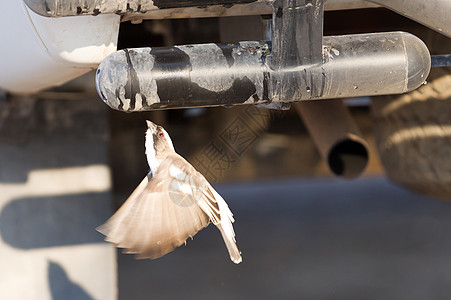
413 131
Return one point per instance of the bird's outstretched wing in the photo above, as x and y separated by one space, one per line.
167 209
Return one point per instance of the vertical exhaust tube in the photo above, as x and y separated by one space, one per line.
336 136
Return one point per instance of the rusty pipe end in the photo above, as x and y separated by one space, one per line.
336 136
349 157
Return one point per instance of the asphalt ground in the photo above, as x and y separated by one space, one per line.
309 239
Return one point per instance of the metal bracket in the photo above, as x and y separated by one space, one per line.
297 33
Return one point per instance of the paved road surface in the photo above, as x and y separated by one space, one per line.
309 239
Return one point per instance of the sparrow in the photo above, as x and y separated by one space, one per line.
171 204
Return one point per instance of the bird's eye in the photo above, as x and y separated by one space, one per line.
161 134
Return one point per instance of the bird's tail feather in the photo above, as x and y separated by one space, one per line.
234 252
226 228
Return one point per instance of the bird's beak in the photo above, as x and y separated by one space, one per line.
151 126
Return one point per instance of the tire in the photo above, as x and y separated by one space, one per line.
413 130
413 133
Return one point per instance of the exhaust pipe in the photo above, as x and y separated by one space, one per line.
145 79
336 136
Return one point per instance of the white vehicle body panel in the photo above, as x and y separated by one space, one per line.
38 52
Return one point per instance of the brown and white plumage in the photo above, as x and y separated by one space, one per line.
170 205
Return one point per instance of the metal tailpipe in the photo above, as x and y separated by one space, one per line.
213 75
336 136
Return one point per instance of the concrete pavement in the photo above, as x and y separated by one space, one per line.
309 239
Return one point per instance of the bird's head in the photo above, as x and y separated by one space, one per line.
158 142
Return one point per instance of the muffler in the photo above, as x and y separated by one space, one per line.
202 75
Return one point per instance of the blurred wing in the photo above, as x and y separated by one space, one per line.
157 217
163 212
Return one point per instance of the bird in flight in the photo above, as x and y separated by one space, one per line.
171 204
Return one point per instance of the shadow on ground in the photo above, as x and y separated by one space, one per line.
61 287
38 222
